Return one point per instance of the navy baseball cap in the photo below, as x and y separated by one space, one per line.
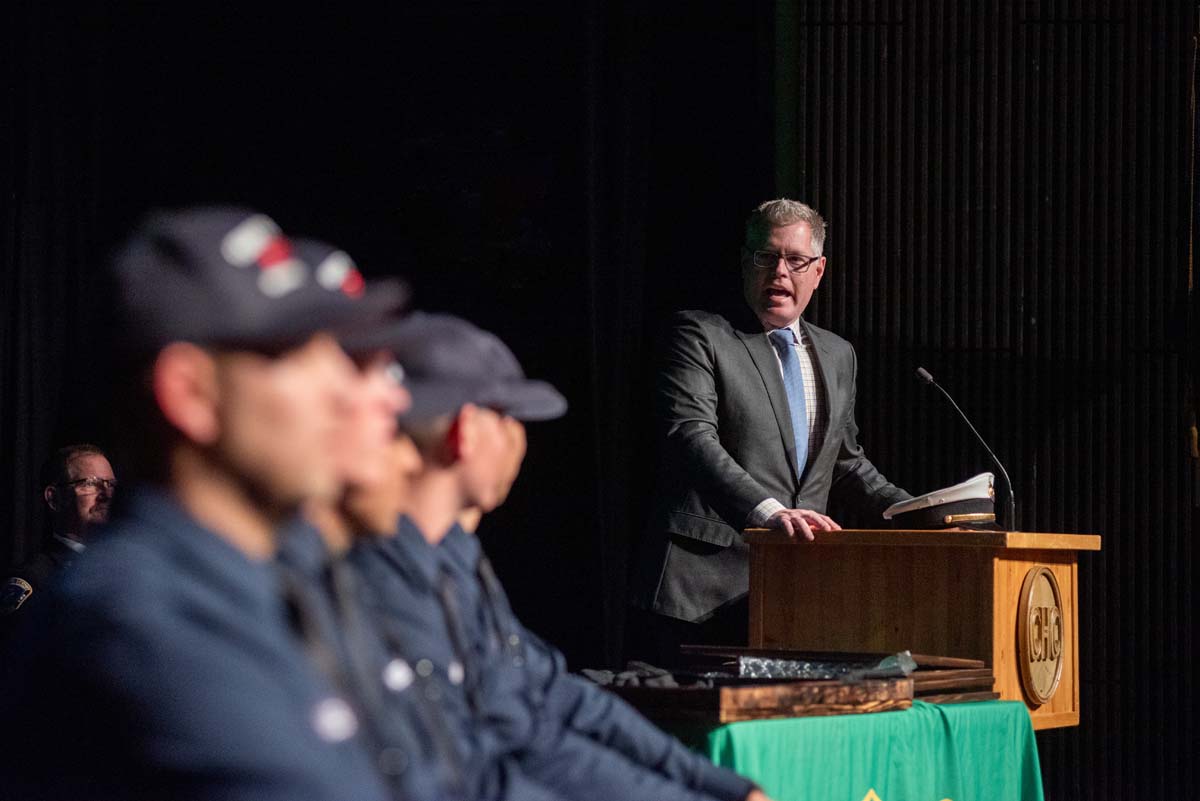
229 277
449 362
358 328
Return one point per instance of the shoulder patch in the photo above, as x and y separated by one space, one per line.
13 593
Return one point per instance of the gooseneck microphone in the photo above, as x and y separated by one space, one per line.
925 376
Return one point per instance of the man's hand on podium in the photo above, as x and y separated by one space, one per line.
802 522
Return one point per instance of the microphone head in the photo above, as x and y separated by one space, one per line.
924 375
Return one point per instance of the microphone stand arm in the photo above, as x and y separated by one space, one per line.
1012 501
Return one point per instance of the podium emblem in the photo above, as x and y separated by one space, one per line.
1040 634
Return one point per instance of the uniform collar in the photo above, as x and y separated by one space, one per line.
461 549
302 548
75 546
411 551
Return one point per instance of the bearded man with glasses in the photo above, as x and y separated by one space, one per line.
757 423
77 487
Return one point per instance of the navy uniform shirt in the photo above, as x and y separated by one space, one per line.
400 708
417 590
567 700
400 578
162 666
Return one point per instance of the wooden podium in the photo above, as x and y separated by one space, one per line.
1009 598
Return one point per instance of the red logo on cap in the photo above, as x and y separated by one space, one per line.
277 251
354 284
257 240
337 273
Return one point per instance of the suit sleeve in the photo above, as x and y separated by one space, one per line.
577 767
609 720
854 475
687 404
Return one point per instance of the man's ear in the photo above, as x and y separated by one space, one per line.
185 389
50 495
460 437
819 269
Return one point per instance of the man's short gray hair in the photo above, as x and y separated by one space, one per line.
55 469
780 212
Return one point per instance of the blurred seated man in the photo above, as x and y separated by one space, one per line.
169 661
400 696
396 707
77 487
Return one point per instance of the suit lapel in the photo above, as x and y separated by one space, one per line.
764 359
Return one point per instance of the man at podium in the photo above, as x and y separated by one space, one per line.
757 416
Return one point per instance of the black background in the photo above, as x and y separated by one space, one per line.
1007 186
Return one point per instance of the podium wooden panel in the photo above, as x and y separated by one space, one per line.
954 593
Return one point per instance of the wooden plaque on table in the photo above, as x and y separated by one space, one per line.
789 699
972 594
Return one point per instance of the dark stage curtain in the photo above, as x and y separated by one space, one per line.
52 342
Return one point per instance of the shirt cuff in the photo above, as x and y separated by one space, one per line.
760 514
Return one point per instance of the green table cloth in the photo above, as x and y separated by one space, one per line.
963 752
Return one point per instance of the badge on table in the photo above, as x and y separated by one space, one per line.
971 504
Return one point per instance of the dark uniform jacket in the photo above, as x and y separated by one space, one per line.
506 710
401 580
564 700
728 445
400 709
163 665
29 577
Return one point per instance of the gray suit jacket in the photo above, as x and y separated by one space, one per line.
722 409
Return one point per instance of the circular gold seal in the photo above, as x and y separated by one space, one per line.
1040 634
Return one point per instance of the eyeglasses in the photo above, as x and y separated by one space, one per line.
769 260
91 485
